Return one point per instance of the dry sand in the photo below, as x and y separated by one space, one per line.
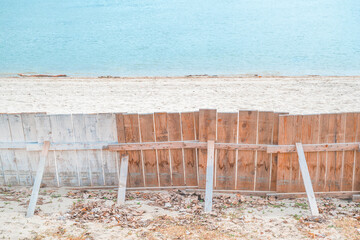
87 95
251 218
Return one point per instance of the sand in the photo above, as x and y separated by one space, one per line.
298 95
253 218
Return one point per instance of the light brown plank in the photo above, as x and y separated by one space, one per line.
284 164
207 131
349 156
177 163
132 135
149 156
265 136
356 173
226 159
310 130
246 159
189 133
274 156
162 135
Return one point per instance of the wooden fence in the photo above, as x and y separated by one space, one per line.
81 152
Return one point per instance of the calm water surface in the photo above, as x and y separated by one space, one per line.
162 37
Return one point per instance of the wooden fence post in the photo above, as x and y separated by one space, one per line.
307 181
123 179
38 178
209 176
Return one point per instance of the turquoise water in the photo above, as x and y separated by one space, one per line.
162 37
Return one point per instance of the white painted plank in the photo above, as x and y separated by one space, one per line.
94 156
7 156
43 128
37 182
62 131
209 177
307 180
123 179
30 134
82 155
107 132
21 158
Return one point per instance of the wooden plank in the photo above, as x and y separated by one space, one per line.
84 171
349 156
274 156
265 136
21 158
94 156
339 195
310 130
44 133
121 138
356 198
189 133
132 135
149 156
295 177
286 124
321 147
307 181
123 179
207 131
226 159
8 161
334 169
209 177
30 134
37 182
323 138
356 168
246 159
67 166
162 135
177 157
107 132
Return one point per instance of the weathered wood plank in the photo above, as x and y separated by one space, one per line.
189 133
84 171
94 156
177 160
7 156
209 177
63 131
321 147
307 181
162 135
30 134
207 131
20 155
246 159
107 132
265 136
149 156
132 135
226 159
44 133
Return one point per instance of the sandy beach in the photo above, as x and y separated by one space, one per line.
301 95
73 214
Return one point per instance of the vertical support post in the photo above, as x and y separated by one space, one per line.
123 179
307 181
209 176
38 179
